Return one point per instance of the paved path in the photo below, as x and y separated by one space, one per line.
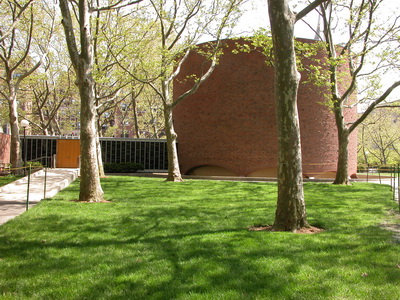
394 182
13 196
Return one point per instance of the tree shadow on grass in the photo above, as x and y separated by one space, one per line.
158 259
157 244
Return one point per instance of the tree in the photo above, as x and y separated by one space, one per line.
109 82
52 94
82 59
16 37
291 211
172 32
369 51
379 138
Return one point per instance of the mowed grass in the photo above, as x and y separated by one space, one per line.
8 179
190 240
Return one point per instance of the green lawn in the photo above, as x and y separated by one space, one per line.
160 240
8 178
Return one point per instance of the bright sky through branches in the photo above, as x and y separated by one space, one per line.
256 17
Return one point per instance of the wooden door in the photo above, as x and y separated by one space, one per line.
68 152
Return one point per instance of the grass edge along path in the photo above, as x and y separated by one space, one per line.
190 240
4 180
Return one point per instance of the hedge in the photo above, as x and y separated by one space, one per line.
122 167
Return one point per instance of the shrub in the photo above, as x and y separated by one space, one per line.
122 167
361 168
386 169
34 164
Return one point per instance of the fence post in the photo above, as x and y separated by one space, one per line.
394 182
45 180
27 190
391 176
398 184
379 174
367 171
54 161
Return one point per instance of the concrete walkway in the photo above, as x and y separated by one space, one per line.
13 196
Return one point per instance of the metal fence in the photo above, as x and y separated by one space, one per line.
40 149
389 174
151 153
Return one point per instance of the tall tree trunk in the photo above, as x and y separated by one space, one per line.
290 212
90 187
135 115
99 157
174 173
363 145
57 129
98 145
15 144
154 123
342 176
51 129
45 131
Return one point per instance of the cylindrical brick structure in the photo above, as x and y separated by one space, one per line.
228 127
5 141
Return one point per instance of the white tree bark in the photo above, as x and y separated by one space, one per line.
291 210
90 186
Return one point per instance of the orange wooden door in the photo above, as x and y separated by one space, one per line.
68 152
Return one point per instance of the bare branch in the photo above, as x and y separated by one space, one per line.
374 104
15 20
309 8
118 5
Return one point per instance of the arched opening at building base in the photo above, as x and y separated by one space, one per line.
208 170
266 172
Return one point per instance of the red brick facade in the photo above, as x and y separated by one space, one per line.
230 121
5 140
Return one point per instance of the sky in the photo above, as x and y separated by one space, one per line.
256 16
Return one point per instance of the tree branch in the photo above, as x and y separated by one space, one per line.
309 8
118 5
69 33
373 105
16 20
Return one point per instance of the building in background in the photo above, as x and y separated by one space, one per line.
228 127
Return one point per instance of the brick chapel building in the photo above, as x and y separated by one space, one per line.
228 127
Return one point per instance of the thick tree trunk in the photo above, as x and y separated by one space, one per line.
51 129
43 122
154 124
57 129
290 212
174 173
15 144
90 187
342 176
99 157
135 115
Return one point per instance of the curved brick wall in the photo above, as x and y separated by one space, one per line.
230 123
5 140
